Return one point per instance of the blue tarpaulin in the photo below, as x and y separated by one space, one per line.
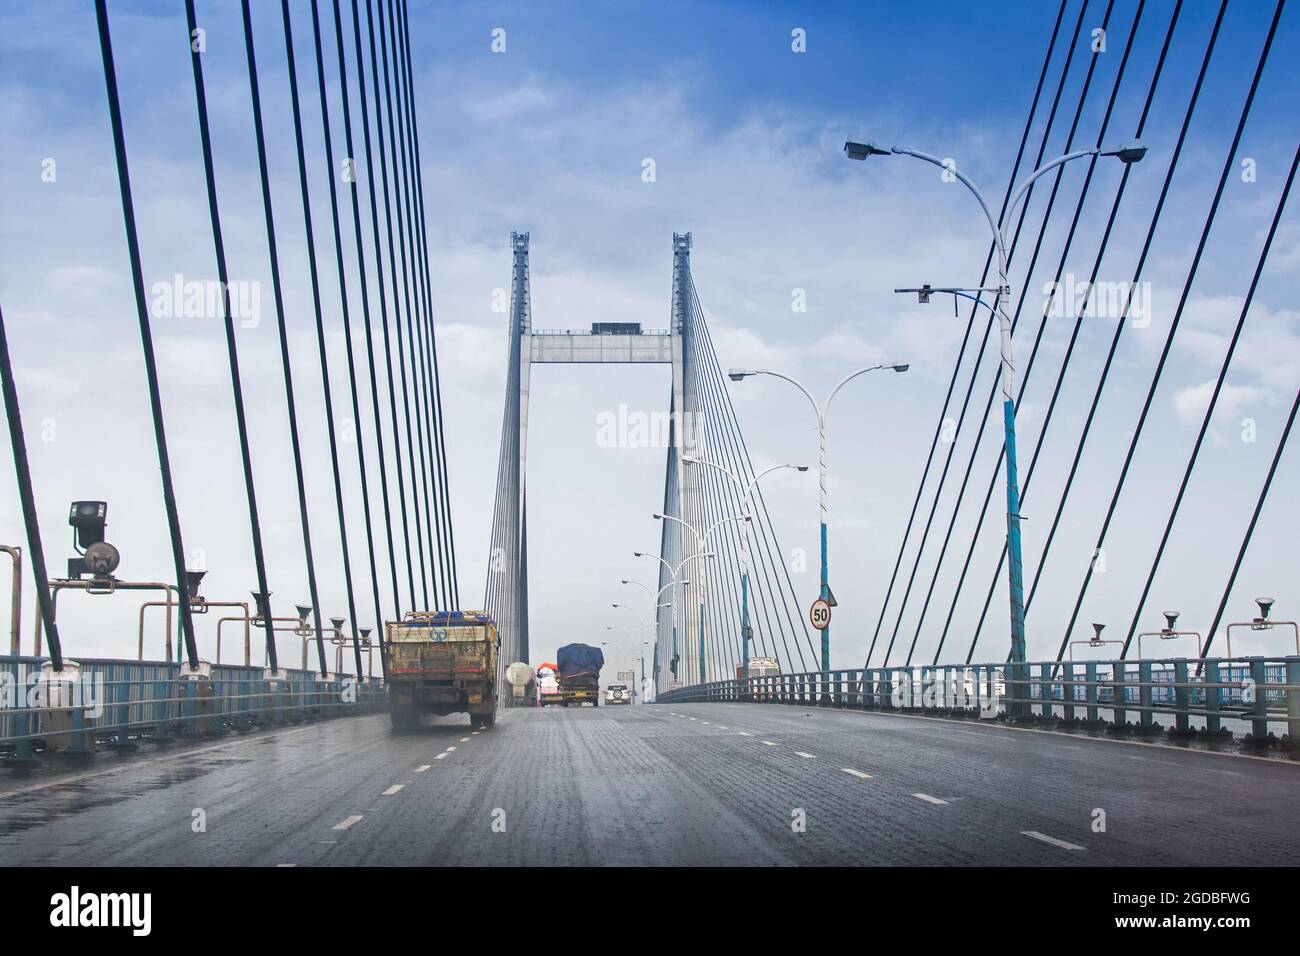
575 659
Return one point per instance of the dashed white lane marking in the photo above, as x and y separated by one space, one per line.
450 749
857 773
704 721
439 756
929 799
464 740
395 788
1034 834
722 726
281 866
769 743
423 767
806 756
743 734
475 733
347 822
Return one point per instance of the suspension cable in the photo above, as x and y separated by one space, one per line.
1174 322
146 334
988 261
1065 362
1214 400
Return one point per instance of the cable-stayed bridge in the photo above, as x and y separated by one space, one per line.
1001 732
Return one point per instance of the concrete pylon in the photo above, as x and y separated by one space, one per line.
614 342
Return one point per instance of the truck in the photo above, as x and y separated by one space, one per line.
548 685
442 663
580 666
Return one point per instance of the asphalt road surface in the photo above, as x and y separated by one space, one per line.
730 784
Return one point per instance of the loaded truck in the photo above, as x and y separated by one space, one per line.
579 666
442 663
548 685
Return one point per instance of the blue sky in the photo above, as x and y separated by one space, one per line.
550 137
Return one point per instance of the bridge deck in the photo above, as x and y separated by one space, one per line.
680 784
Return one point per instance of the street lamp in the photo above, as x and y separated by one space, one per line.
700 540
746 491
633 654
672 575
641 616
737 375
1127 153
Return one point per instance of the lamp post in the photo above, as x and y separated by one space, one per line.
636 653
700 540
737 375
746 491
641 616
1127 153
673 579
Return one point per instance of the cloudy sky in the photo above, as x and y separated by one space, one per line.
550 136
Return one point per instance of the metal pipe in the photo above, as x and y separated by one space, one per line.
95 586
1262 626
16 602
1168 635
169 604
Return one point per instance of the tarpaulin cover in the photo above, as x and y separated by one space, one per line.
574 659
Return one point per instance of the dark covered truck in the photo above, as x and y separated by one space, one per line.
580 667
442 663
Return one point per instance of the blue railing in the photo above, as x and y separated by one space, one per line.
117 702
1257 695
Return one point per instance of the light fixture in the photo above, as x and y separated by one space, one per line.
89 518
1265 609
1171 621
862 150
259 605
96 556
1127 153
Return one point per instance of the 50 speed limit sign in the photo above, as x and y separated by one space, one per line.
820 614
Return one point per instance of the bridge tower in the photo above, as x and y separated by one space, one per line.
506 593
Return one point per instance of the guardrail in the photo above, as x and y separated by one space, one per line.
115 703
1218 696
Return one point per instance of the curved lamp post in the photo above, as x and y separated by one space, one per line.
1127 153
746 491
673 579
700 540
737 375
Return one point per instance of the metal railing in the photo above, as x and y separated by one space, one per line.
642 332
1217 696
117 702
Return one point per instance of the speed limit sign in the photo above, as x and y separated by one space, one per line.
820 614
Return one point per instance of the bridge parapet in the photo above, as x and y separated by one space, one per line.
118 703
1257 698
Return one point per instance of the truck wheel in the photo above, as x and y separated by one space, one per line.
595 702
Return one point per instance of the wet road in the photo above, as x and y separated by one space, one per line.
660 785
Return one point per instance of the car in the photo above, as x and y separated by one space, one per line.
618 694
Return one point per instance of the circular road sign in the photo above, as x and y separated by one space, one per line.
820 614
